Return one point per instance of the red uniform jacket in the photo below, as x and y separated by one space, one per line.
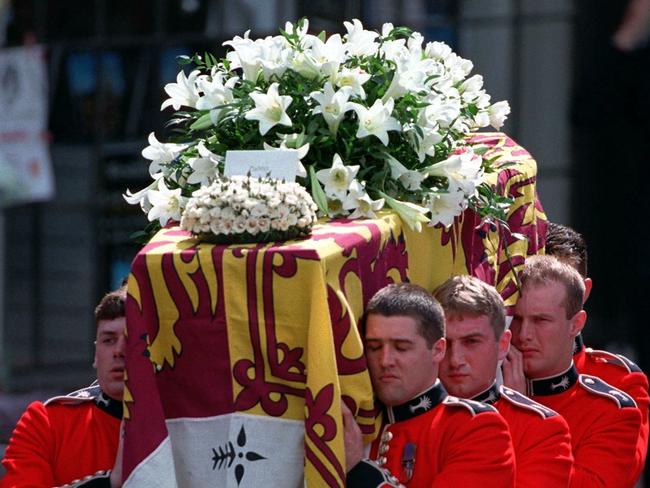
604 424
540 438
63 440
436 440
622 373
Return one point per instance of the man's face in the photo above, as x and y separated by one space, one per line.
541 331
400 362
109 356
473 352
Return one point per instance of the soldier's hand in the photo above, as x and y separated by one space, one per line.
116 472
353 439
513 370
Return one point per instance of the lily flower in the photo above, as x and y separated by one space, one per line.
142 197
352 79
166 204
183 93
338 178
499 113
462 170
410 213
360 202
376 120
216 93
360 42
445 207
410 179
204 168
160 154
333 105
270 109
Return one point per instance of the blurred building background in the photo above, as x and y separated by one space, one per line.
107 61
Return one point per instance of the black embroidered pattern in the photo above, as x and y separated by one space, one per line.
418 405
555 384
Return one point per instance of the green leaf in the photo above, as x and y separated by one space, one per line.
203 122
317 191
322 36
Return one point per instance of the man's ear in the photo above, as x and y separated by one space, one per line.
504 344
588 285
578 322
95 360
438 350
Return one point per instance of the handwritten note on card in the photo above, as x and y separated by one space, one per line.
280 164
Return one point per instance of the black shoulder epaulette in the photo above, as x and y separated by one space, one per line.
76 397
615 359
597 386
474 407
524 402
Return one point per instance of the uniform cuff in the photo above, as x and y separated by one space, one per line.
101 479
368 474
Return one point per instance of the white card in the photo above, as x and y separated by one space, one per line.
281 164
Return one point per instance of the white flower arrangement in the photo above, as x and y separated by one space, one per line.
377 119
241 209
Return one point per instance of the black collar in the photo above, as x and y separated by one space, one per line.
489 396
578 344
418 405
554 385
109 405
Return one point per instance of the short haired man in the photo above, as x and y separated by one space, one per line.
604 422
569 246
73 439
428 438
476 342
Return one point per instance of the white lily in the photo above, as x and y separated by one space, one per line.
204 168
246 54
437 50
463 171
274 56
376 121
142 197
160 154
183 93
270 109
427 145
360 42
166 204
360 202
410 213
472 88
411 180
330 51
215 94
498 114
338 178
352 79
445 207
441 111
333 105
458 68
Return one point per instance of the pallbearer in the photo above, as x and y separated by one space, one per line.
570 247
428 438
604 422
476 342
